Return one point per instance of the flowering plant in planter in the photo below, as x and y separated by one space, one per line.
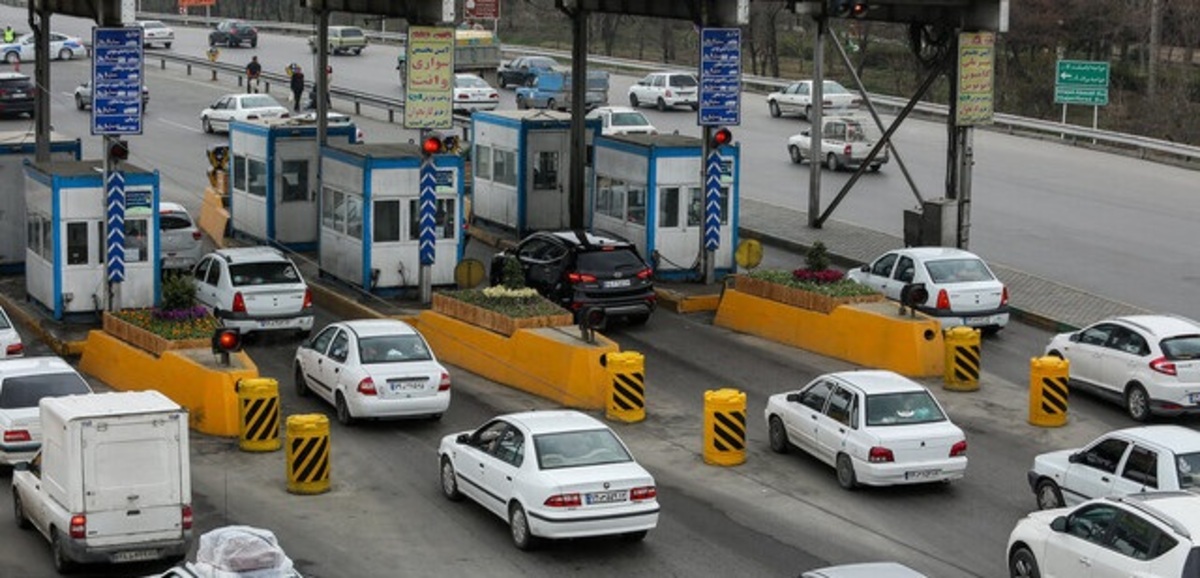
523 302
178 318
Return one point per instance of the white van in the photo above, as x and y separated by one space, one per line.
112 482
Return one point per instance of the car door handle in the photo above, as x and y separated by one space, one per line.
841 430
508 478
1085 561
1104 479
814 416
481 465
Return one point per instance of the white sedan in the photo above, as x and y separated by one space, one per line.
10 341
473 93
373 368
875 427
622 120
62 47
796 98
551 474
241 107
962 290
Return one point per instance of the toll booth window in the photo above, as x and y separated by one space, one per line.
354 224
637 206
77 243
333 210
385 226
483 162
545 171
238 178
256 177
668 207
136 247
327 207
504 167
33 235
48 240
443 217
295 181
610 199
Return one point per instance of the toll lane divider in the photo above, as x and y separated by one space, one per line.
551 362
869 334
214 216
190 377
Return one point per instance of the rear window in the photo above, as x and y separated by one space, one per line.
352 32
260 101
623 260
683 80
28 390
153 25
1188 466
16 83
173 221
629 119
579 448
958 271
271 273
1181 348
393 349
470 82
903 408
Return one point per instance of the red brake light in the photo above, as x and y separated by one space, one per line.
367 386
943 301
444 384
880 455
307 298
15 349
563 501
196 235
846 150
580 278
187 518
643 493
239 303
78 526
462 96
1004 297
1164 366
17 435
958 449
645 273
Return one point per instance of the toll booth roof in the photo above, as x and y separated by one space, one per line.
531 114
82 168
658 140
382 150
20 138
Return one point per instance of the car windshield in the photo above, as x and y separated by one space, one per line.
957 271
1181 347
392 349
904 408
259 101
351 32
269 273
1188 466
629 119
683 81
579 448
470 82
28 390
622 260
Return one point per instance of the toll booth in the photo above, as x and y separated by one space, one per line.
649 192
273 180
520 165
15 148
370 216
66 254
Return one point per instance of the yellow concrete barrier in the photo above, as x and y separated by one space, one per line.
308 454
962 359
214 216
1048 377
627 391
869 334
258 415
724 427
550 362
189 377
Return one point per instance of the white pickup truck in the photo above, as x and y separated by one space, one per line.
845 143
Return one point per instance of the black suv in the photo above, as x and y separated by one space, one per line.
233 33
579 271
16 94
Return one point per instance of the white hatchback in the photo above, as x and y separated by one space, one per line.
551 474
666 90
373 369
23 384
254 289
875 427
180 239
1149 363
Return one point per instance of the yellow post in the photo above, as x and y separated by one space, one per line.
308 454
258 415
962 359
627 394
1048 377
724 427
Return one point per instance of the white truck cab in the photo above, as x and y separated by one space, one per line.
112 482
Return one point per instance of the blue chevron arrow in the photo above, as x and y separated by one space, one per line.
427 235
115 185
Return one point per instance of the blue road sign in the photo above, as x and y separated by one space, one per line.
115 186
117 80
712 202
427 224
720 76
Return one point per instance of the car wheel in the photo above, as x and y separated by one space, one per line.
79 102
208 127
635 536
518 525
808 112
62 563
65 54
633 101
1022 564
12 57
552 104
1137 403
775 112
503 83
300 384
19 511
696 106
167 45
662 105
845 472
343 410
357 51
1055 353
778 435
450 481
797 156
521 104
639 319
212 41
1048 495
875 169
831 162
254 43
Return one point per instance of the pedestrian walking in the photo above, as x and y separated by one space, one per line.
253 73
297 88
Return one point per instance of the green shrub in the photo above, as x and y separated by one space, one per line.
513 277
178 292
817 257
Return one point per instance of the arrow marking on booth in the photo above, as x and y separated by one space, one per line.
712 205
115 183
426 247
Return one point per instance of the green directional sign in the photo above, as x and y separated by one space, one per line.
1081 82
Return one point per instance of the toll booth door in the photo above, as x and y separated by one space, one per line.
680 225
546 205
295 201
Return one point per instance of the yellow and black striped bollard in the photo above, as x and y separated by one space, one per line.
308 454
962 359
1048 391
724 427
627 397
258 415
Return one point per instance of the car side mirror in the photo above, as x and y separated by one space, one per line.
464 438
793 397
1074 338
865 268
1075 458
1059 524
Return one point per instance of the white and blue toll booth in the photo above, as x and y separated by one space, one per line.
273 179
520 164
15 148
371 216
649 191
66 256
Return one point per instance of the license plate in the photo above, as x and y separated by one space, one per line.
135 556
607 497
18 95
978 321
406 385
277 323
921 474
618 283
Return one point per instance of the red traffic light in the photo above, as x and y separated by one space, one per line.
226 340
721 137
432 145
118 150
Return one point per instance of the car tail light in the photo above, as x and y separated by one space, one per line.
943 301
196 235
462 96
239 303
444 384
645 273
17 435
1164 366
574 278
78 526
367 386
1004 297
643 493
958 449
186 518
15 349
307 298
563 501
847 150
494 96
879 455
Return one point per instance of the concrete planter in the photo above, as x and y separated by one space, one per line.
492 320
801 298
146 340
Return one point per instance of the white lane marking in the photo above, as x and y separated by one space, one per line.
180 125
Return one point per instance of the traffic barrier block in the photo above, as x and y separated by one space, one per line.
258 415
308 454
1048 391
962 359
214 216
627 396
724 427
